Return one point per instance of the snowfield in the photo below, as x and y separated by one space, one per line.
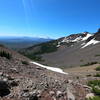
50 68
91 42
87 36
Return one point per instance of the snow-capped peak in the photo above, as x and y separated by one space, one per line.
74 38
77 37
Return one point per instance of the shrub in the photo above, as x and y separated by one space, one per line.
97 55
94 98
25 63
89 63
5 54
34 57
97 75
96 90
88 75
95 84
81 60
77 77
98 68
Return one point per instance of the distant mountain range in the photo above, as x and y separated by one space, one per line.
74 50
21 42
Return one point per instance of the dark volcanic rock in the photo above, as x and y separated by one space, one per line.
90 38
97 35
4 89
33 97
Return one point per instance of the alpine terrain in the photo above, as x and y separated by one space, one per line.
75 74
74 50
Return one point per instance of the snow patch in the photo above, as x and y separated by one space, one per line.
82 44
87 36
77 39
58 45
50 68
68 40
93 42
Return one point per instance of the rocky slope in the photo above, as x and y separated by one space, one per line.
74 50
22 80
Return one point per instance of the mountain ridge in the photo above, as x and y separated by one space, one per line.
60 52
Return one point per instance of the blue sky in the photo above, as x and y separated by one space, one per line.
48 18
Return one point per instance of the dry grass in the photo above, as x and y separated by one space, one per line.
82 70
